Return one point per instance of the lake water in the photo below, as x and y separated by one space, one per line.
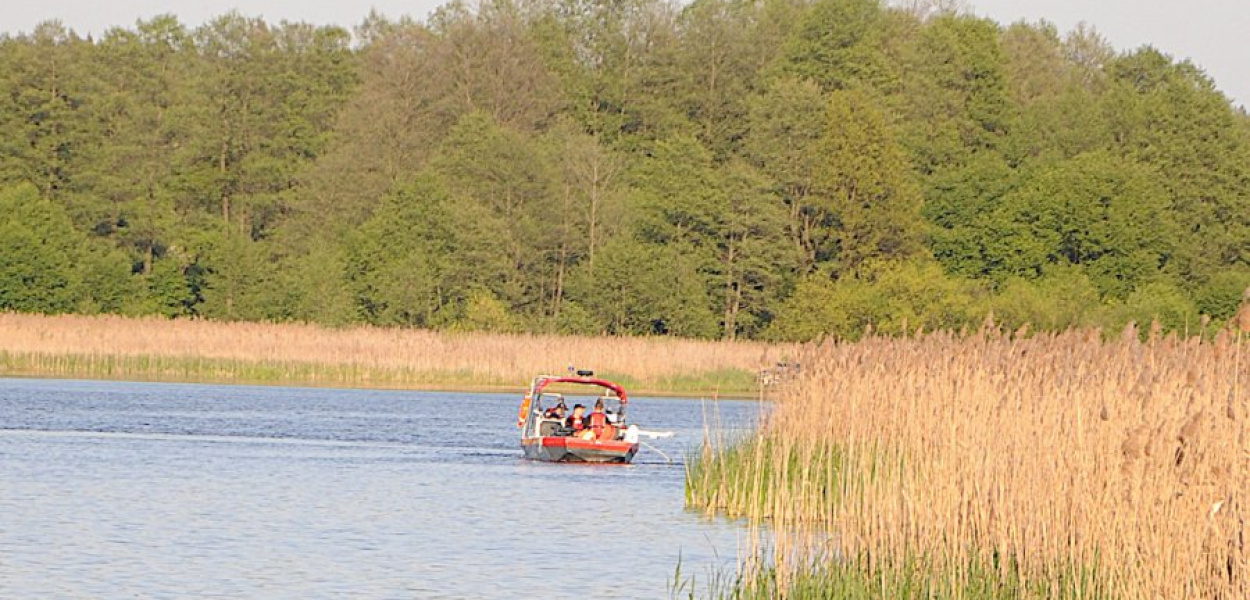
142 490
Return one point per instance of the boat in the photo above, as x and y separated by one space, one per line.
547 438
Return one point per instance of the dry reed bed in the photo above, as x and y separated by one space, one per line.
1062 453
496 358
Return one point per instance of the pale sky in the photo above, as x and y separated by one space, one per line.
1215 34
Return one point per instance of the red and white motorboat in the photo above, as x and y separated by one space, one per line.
549 438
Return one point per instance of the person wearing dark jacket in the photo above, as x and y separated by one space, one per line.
577 420
556 412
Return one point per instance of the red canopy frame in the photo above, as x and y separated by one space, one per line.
542 382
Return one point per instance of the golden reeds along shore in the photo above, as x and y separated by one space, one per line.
157 349
1052 466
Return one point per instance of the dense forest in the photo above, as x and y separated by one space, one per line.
772 169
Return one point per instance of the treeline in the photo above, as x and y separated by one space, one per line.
776 169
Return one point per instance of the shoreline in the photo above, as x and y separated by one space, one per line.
109 347
365 378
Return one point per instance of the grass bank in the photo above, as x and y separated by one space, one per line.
1057 466
152 349
914 577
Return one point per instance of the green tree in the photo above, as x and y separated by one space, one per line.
421 256
1221 296
726 219
962 205
787 121
753 266
317 288
505 174
645 289
38 252
269 94
1170 116
955 87
47 81
1103 213
240 283
723 47
170 289
482 311
387 130
1056 95
1157 301
839 45
146 104
613 54
867 182
109 284
590 191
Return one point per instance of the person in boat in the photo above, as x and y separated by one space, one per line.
576 421
598 423
556 412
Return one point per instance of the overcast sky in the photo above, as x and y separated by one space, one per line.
1212 33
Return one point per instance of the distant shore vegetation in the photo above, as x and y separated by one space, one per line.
778 170
201 351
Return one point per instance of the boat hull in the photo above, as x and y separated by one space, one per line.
571 449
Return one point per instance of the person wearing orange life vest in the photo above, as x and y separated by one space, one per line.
599 424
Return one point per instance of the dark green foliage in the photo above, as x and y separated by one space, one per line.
787 121
1221 296
867 184
239 279
838 45
645 288
726 222
960 204
108 282
1159 301
782 168
49 85
38 252
170 291
1169 116
955 94
1106 214
422 255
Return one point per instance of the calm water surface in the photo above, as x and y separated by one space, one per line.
142 490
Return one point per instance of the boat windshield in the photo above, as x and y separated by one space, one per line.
546 402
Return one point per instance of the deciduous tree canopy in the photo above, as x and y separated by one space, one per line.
780 169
